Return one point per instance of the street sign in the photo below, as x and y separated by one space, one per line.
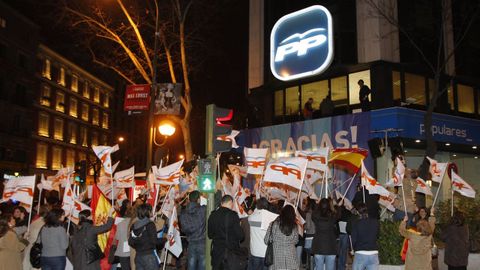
137 97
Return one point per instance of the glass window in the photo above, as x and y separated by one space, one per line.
46 69
105 120
106 102
85 112
95 117
61 77
86 90
339 90
58 135
278 103
292 101
414 89
56 158
74 85
353 88
94 138
96 95
41 161
45 96
43 124
316 90
70 158
73 107
83 136
396 85
72 133
60 102
466 99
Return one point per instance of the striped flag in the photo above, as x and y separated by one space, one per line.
349 158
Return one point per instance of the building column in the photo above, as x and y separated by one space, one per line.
256 44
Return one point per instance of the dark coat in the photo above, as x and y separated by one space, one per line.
86 236
223 221
456 245
326 233
192 222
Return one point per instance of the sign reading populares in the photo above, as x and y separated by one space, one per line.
301 43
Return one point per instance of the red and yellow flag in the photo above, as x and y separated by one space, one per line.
100 208
349 158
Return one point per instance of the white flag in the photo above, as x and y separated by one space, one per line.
459 185
62 177
422 187
288 171
398 174
169 175
371 183
346 202
125 178
174 242
317 160
387 201
256 159
104 154
437 170
169 203
312 176
20 189
46 184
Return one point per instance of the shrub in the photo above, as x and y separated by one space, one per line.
390 243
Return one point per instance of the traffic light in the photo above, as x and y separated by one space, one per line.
217 130
206 175
81 170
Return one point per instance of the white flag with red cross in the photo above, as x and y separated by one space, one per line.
256 159
317 160
461 186
437 170
168 175
422 187
371 184
104 154
125 178
287 171
398 174
174 242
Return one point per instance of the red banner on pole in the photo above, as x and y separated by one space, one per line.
137 97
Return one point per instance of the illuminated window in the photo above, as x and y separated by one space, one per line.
354 89
105 120
58 135
106 102
60 102
46 69
86 90
72 133
316 90
73 107
451 100
466 100
414 89
42 151
278 103
339 90
43 124
396 85
95 117
94 138
96 95
85 112
70 158
83 136
56 158
292 101
61 77
74 85
45 96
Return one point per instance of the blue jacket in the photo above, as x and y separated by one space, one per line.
192 222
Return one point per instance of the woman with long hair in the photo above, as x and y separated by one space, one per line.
11 246
85 237
54 239
456 238
324 245
284 235
419 251
121 235
32 235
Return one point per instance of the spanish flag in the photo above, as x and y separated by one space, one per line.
100 208
349 158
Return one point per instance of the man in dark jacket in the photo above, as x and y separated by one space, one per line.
224 230
192 224
365 231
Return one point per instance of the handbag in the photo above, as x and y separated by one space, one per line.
112 259
93 252
269 252
36 251
234 259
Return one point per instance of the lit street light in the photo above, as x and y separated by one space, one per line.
121 139
166 129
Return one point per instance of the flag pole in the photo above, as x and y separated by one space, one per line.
165 259
363 193
113 190
346 191
39 198
404 199
451 213
439 187
157 187
326 185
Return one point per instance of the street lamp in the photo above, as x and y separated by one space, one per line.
121 139
166 129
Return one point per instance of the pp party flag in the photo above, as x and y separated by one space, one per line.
46 184
422 187
100 208
398 174
62 177
174 242
169 175
169 203
72 206
371 183
349 158
317 160
287 171
241 169
237 207
256 159
461 186
387 201
437 170
346 202
20 189
125 178
312 176
104 154
230 138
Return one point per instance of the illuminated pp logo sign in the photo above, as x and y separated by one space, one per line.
301 44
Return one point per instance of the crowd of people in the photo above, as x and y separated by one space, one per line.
330 233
